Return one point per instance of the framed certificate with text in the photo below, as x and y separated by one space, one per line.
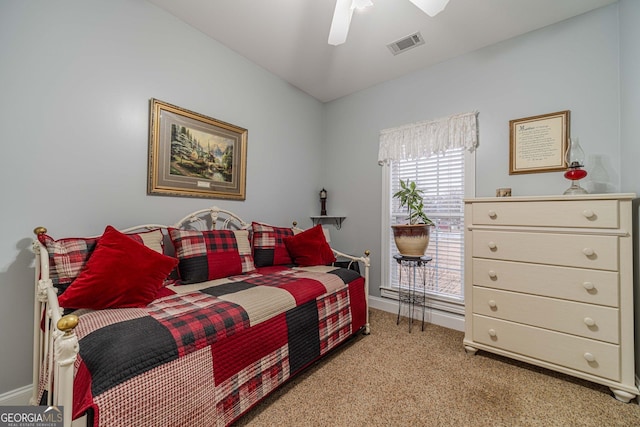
538 143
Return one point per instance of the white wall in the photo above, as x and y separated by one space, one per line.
630 94
572 65
76 78
630 141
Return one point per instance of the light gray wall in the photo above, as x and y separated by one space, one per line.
573 65
76 80
630 94
630 141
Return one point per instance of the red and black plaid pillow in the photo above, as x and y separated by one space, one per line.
209 255
68 256
268 245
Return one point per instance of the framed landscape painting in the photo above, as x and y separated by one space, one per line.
193 155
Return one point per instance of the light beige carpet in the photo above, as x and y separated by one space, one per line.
396 378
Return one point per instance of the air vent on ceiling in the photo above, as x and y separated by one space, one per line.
406 43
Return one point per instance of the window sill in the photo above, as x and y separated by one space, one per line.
437 302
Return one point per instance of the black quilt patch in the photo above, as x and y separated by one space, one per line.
346 275
304 339
133 347
227 288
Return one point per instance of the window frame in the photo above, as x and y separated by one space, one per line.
439 302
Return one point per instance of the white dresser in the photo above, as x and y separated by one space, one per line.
548 281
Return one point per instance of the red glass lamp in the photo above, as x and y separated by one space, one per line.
575 160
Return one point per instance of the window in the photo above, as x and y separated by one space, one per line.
444 178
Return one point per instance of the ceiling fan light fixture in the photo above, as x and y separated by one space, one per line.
344 12
341 22
430 7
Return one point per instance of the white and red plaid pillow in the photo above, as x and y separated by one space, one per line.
213 254
68 256
268 244
121 272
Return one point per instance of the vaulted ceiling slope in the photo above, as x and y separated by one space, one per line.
289 37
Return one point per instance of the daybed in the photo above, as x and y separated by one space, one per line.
190 324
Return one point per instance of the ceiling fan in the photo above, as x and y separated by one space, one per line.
344 11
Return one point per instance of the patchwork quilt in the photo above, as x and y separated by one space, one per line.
203 354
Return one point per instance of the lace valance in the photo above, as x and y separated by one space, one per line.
422 139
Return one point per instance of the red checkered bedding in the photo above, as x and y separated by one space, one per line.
209 351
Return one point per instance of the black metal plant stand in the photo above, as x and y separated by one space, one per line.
412 295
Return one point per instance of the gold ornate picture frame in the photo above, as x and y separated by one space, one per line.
538 143
192 155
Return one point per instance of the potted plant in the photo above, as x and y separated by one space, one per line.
412 239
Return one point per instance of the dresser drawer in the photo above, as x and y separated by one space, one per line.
586 320
577 284
593 357
578 213
572 250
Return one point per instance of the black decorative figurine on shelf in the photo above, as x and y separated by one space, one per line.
323 202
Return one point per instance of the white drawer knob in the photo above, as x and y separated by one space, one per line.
492 245
588 213
492 332
588 286
492 303
492 274
589 321
588 251
589 357
492 214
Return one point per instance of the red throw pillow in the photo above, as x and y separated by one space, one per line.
119 273
310 248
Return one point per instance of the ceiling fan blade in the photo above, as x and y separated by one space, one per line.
341 21
431 7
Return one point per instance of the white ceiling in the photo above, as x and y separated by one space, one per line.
289 37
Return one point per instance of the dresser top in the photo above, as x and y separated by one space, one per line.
600 196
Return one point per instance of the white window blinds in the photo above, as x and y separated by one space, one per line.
441 176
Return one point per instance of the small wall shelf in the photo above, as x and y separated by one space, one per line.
323 219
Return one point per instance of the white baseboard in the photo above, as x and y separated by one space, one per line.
17 397
437 317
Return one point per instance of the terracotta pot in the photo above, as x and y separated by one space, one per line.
411 240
